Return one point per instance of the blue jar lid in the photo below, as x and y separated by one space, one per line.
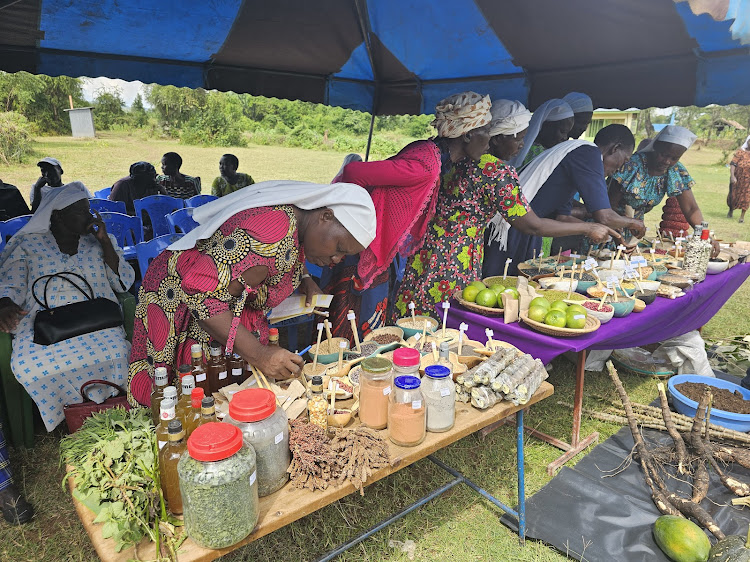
407 382
437 371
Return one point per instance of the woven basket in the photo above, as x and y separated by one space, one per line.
498 280
474 307
592 325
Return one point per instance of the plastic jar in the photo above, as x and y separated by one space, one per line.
374 388
265 426
439 393
406 412
406 361
218 486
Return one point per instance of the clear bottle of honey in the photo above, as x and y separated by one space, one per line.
193 416
166 415
208 410
236 366
183 371
216 370
199 371
183 404
169 456
161 380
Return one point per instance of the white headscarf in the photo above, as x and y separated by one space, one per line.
672 134
578 102
461 113
351 205
551 110
745 144
54 199
508 117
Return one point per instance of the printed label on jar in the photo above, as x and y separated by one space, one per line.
200 377
278 438
161 444
237 372
222 375
445 392
416 404
253 476
386 390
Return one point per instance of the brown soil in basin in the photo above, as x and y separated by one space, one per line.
723 399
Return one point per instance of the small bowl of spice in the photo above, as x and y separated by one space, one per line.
309 372
415 325
328 351
386 335
366 349
604 312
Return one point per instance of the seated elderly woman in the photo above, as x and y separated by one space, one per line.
653 172
247 255
62 236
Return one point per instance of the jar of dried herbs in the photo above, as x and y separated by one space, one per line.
265 426
218 486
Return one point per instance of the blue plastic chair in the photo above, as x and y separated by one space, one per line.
147 251
107 206
127 231
103 193
198 200
11 226
157 207
291 324
181 219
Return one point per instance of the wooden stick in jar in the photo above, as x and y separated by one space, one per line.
505 271
424 327
490 342
435 354
353 320
317 347
446 306
572 274
601 302
461 330
342 347
413 307
329 336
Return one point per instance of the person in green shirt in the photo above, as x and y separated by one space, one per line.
230 180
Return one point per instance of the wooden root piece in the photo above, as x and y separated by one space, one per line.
683 463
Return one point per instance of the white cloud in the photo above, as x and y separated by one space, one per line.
128 89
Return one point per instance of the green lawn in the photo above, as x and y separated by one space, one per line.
457 526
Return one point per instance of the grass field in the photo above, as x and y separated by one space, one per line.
459 525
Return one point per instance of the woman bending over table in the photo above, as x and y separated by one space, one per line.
739 181
247 255
404 189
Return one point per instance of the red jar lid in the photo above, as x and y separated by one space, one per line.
196 395
273 332
252 405
406 357
214 441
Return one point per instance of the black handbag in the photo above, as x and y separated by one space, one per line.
53 325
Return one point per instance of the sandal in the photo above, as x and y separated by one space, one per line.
16 510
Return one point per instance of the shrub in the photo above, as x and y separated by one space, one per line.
15 137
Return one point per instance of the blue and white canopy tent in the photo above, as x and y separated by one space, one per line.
396 56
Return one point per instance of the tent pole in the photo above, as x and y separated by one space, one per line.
369 137
366 30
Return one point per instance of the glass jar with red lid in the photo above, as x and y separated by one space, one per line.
406 361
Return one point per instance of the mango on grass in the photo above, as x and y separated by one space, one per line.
681 539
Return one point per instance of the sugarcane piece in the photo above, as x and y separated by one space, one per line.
514 373
489 365
463 396
482 397
683 461
524 391
460 381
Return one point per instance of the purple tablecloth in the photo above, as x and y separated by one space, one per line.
664 319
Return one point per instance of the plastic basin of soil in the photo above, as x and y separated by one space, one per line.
686 406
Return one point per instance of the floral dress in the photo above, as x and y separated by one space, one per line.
740 198
451 256
182 287
535 150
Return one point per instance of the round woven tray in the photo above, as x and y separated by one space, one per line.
498 280
474 307
592 325
525 269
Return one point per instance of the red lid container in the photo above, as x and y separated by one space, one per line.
196 395
406 357
252 405
271 332
214 441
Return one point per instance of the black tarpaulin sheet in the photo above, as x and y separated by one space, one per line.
601 510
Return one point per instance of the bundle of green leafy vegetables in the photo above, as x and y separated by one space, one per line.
113 459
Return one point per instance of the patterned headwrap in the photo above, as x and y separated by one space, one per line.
508 117
460 113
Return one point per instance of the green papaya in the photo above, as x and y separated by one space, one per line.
681 539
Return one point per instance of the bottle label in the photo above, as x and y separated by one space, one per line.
279 438
200 377
223 375
253 476
236 372
416 404
445 392
386 390
161 444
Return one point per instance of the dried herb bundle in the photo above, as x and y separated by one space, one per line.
359 452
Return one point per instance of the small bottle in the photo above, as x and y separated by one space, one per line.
693 251
183 371
273 337
317 406
161 380
199 372
193 416
183 404
208 410
216 370
166 415
236 366
444 358
169 456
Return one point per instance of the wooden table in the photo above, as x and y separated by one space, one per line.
290 504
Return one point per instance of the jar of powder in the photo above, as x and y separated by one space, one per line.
440 397
374 388
407 412
406 362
